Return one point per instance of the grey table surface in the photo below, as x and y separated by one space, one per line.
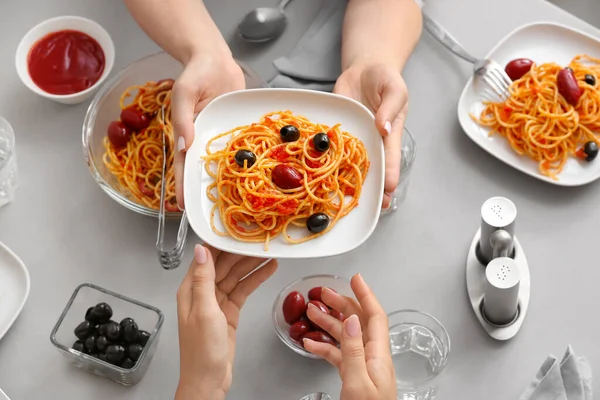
68 231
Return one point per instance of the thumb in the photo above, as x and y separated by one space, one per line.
394 97
353 351
203 281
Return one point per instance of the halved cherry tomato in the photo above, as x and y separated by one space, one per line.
517 68
145 189
134 118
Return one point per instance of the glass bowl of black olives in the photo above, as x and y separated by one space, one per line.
108 334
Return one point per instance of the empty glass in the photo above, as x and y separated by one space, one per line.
8 163
408 151
420 348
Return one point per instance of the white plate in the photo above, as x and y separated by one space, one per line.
541 42
14 288
245 107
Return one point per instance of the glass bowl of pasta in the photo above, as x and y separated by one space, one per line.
122 133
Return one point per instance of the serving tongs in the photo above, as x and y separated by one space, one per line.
170 258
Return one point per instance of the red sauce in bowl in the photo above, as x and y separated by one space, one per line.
66 62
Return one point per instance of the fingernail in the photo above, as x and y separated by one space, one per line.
180 144
310 305
326 289
180 208
200 254
307 340
388 127
353 326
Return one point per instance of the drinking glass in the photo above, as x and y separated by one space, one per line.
408 153
8 163
420 347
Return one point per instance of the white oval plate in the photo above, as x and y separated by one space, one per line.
245 107
541 42
14 288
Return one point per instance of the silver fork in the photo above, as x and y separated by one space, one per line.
489 71
169 259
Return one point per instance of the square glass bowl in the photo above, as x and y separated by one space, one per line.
148 318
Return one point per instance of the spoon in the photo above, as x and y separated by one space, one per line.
316 396
263 24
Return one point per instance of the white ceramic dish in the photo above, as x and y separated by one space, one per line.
84 25
14 288
245 107
541 42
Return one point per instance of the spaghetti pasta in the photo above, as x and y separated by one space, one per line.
253 208
545 122
137 164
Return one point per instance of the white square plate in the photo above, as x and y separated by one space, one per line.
245 107
14 288
540 42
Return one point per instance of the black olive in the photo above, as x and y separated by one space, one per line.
134 351
90 344
143 337
590 79
317 222
321 142
591 151
130 332
84 330
102 328
113 331
115 354
102 344
102 312
289 133
89 316
79 346
125 322
102 357
245 155
128 363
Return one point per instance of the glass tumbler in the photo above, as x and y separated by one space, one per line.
408 153
8 163
420 347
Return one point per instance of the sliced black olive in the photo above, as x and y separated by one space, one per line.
84 330
590 79
591 150
113 331
130 332
289 133
79 346
321 142
90 344
102 343
102 312
317 222
128 363
245 155
134 351
115 353
125 322
143 337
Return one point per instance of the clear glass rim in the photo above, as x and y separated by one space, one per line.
68 349
87 131
4 124
404 173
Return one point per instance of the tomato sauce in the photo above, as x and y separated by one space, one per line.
66 62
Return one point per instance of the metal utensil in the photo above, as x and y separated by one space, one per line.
316 396
263 24
489 71
169 259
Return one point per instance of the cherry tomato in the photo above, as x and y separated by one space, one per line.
134 119
319 336
320 306
315 293
568 86
517 68
299 329
286 177
145 189
338 315
294 307
171 205
118 134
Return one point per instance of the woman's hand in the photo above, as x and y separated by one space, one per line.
205 77
209 302
364 359
380 88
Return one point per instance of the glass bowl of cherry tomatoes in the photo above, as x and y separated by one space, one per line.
289 311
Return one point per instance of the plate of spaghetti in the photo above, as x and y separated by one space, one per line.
549 126
284 173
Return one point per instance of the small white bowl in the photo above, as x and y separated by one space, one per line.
42 29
